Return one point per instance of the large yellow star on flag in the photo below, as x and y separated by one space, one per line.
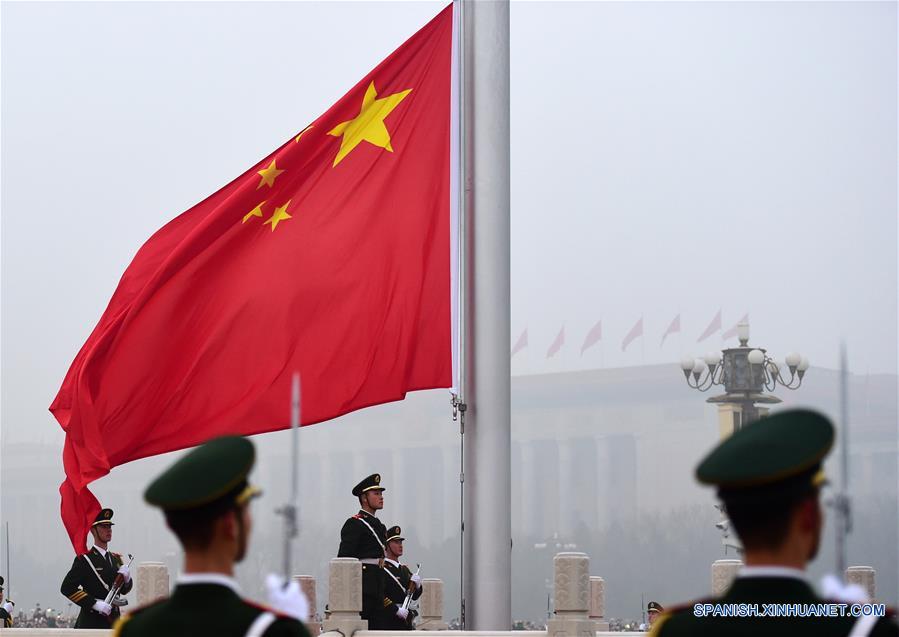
368 125
279 215
268 175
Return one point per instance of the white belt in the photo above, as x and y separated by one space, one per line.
374 561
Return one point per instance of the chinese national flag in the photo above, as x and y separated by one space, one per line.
331 257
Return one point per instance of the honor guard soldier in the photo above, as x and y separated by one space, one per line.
363 536
93 575
398 583
769 477
6 608
653 610
205 497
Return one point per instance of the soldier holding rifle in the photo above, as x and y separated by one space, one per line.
94 575
6 608
400 584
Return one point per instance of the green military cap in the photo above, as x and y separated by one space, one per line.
394 533
371 483
103 517
216 470
654 607
778 454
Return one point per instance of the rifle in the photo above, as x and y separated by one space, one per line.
411 590
117 587
289 510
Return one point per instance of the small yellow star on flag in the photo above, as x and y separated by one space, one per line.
279 215
368 125
268 175
255 212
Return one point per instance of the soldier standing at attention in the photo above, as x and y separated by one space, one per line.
6 609
363 536
399 582
92 576
769 476
205 497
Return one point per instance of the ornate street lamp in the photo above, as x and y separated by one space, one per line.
745 372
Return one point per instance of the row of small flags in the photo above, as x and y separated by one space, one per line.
595 335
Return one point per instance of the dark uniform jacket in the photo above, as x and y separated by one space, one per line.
764 589
210 606
85 585
207 605
363 537
5 619
397 582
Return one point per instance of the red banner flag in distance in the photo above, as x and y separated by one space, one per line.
636 330
732 332
331 257
593 337
713 327
556 344
673 328
521 343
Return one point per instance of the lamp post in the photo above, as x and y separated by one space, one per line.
745 373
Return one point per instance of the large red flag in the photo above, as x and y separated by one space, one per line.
331 256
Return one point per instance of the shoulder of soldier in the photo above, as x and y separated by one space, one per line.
677 620
283 625
130 624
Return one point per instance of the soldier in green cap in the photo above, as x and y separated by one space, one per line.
205 497
92 576
363 536
769 477
399 582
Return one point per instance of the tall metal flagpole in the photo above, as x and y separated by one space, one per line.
487 554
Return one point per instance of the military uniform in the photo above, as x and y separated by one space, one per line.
363 536
768 465
397 583
5 616
90 579
205 484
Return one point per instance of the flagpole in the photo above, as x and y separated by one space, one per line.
487 554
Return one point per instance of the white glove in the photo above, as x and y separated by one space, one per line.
833 588
102 607
289 601
7 606
402 613
416 579
124 572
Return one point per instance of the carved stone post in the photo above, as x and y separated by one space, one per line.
864 576
152 582
345 596
307 585
598 603
431 605
723 573
572 587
